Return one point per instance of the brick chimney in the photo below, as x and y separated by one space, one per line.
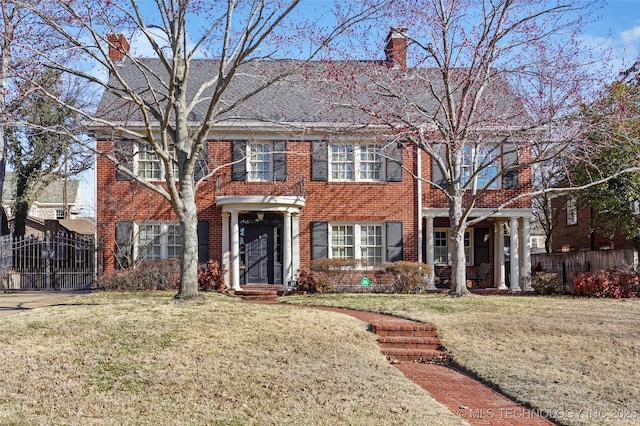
118 47
396 49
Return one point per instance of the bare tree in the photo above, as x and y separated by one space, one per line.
480 85
157 109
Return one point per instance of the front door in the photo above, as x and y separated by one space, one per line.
259 254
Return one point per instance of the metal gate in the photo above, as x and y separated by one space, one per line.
55 262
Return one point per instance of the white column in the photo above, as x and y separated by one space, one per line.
295 243
498 255
225 248
286 250
525 253
235 252
514 252
430 252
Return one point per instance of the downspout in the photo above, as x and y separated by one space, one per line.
419 195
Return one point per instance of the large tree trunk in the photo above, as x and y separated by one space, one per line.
456 249
188 217
21 211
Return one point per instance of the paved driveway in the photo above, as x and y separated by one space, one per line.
13 303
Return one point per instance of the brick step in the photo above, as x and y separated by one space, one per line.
402 342
427 356
404 329
257 294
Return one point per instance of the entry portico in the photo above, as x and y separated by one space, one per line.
518 222
263 233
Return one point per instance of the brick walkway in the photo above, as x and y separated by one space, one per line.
466 397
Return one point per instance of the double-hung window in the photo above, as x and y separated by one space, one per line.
483 158
355 162
357 241
259 162
148 164
441 247
158 240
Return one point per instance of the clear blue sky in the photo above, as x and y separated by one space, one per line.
619 30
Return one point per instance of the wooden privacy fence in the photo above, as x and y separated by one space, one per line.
568 264
55 262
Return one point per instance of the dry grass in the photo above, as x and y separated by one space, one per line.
575 359
121 359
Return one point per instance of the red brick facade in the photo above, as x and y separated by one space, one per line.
585 234
325 201
126 200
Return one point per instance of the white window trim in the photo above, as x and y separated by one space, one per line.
572 211
356 162
136 167
474 163
164 237
357 253
250 155
448 232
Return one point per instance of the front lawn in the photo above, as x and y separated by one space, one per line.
141 359
575 359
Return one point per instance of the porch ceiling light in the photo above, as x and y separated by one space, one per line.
260 216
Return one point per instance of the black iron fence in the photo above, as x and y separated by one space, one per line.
53 262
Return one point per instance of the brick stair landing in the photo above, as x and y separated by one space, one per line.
256 292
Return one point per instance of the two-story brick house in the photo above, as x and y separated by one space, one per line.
304 180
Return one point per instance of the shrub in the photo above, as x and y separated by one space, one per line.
547 283
609 283
211 276
313 282
410 277
148 275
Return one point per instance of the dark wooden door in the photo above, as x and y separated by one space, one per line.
259 246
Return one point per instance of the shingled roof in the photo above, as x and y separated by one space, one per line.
52 194
308 93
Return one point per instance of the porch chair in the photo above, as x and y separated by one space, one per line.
483 273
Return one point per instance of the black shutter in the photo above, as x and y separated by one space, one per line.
202 165
203 241
394 242
124 246
319 161
510 159
124 155
319 240
480 245
279 160
393 161
239 169
437 176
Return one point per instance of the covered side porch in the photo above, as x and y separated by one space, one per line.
505 235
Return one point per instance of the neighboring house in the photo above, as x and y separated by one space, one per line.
577 228
291 198
50 203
